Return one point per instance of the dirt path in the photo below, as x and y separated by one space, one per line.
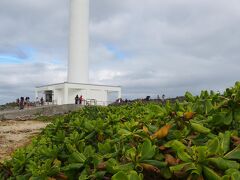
14 134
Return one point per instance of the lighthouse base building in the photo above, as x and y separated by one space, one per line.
65 93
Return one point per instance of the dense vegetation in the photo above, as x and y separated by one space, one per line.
194 139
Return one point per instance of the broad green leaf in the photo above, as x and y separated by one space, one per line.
197 171
112 166
234 154
230 171
124 132
120 176
99 174
126 167
223 164
189 97
222 118
225 141
133 175
72 166
190 167
233 173
175 145
199 128
201 153
208 106
131 154
147 150
105 147
185 157
166 173
237 115
226 177
213 146
235 176
159 164
179 167
77 157
210 174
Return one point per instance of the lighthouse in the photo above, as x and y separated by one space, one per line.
78 41
78 69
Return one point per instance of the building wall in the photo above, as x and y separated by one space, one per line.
58 96
65 93
99 96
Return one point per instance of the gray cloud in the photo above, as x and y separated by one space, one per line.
160 46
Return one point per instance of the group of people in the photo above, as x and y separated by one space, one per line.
78 100
23 102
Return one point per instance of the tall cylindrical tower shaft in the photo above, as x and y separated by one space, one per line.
78 41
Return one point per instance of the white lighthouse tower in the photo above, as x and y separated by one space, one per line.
78 41
78 73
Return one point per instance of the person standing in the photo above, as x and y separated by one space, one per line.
21 104
80 99
76 99
41 101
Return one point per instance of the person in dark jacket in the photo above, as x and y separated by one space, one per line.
42 101
76 99
21 104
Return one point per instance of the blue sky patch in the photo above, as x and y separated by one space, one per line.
118 53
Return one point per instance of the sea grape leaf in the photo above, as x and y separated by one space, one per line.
193 169
77 157
208 106
226 177
147 150
105 147
89 125
112 166
72 166
98 175
234 154
237 115
83 175
89 151
213 146
233 173
124 132
131 154
179 167
183 156
199 128
159 164
166 173
223 164
222 118
197 171
133 175
210 174
201 153
120 176
152 128
225 140
175 145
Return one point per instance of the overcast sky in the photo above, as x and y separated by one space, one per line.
149 47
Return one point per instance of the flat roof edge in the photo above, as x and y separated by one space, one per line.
76 84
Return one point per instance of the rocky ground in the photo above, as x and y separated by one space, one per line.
15 134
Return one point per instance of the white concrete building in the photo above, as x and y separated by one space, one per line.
78 73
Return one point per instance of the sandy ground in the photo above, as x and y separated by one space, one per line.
15 134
